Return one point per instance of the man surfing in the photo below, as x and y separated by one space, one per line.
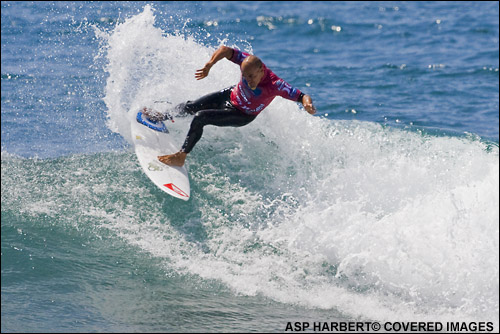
234 106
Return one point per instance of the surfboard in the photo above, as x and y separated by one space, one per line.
152 139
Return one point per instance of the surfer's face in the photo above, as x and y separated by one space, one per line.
253 75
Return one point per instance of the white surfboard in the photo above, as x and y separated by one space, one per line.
152 139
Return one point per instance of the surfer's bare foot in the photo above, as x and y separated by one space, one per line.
176 159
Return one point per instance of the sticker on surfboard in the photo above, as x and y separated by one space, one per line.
178 190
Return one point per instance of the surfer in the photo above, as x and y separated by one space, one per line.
234 106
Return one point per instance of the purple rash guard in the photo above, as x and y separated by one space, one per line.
254 101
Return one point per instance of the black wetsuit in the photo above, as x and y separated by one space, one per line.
212 109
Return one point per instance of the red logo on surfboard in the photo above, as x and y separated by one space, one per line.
176 189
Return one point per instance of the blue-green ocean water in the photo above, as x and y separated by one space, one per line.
382 207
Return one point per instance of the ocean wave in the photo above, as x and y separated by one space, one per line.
374 222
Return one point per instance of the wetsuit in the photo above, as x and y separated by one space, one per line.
212 109
235 106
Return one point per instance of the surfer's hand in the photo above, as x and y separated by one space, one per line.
308 104
310 108
203 72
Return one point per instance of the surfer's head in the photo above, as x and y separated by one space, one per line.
252 71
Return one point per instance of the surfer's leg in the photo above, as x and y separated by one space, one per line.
215 100
217 117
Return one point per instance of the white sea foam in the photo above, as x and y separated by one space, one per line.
377 223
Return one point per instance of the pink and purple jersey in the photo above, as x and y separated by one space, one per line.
254 101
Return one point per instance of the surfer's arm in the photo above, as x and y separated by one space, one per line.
285 90
220 53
